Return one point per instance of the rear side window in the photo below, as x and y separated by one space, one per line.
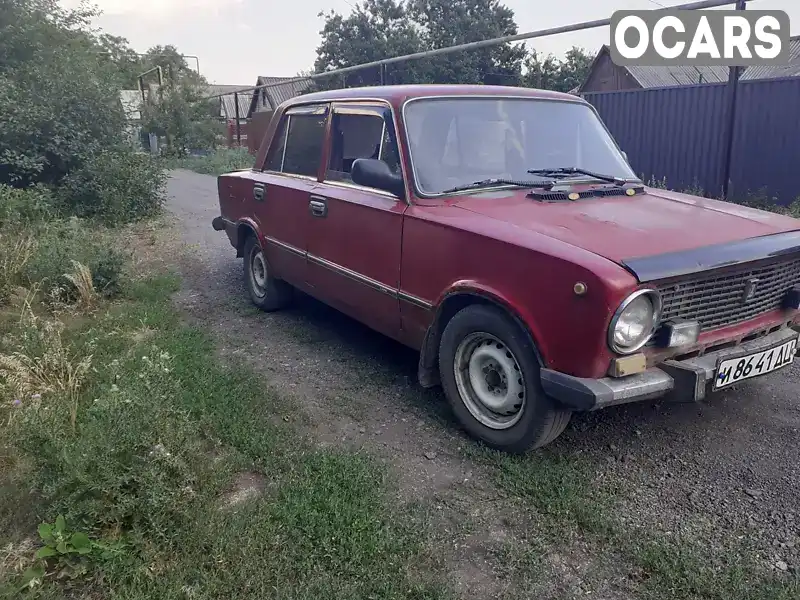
297 148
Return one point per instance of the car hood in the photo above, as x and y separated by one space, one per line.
622 228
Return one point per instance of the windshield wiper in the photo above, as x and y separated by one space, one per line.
563 172
485 183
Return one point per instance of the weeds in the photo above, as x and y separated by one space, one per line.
217 162
42 364
15 253
81 279
61 244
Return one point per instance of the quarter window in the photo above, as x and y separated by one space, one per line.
360 135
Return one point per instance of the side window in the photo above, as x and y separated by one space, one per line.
360 135
297 148
304 144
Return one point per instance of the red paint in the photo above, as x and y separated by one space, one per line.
521 253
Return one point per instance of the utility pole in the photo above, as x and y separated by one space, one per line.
238 127
731 92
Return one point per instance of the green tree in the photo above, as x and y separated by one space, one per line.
541 72
59 102
118 54
374 30
172 63
179 114
451 22
550 73
379 29
574 68
61 121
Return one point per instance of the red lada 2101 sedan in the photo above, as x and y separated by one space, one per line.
502 233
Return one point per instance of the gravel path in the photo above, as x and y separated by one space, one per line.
724 471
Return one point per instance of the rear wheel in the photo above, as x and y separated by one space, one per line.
266 292
490 375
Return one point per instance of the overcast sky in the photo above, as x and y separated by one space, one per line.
238 40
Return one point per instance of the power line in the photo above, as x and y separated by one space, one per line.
696 5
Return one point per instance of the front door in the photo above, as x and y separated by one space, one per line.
355 233
283 190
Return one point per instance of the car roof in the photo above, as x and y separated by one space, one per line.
397 94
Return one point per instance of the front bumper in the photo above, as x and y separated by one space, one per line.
684 380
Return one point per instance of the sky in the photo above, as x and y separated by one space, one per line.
235 41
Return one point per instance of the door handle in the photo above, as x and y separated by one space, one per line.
258 192
318 206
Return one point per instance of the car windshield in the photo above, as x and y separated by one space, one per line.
457 141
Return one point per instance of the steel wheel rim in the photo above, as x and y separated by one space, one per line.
490 381
258 272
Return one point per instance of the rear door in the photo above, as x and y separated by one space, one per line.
282 191
355 232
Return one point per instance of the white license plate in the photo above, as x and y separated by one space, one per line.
733 370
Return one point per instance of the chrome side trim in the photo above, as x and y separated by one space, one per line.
288 247
362 188
415 300
355 276
291 176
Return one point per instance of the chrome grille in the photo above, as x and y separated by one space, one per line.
717 300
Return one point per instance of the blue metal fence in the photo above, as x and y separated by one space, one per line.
677 134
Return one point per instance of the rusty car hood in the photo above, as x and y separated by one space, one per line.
621 228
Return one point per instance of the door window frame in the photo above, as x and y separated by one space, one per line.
372 108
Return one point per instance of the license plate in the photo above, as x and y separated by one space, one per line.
733 370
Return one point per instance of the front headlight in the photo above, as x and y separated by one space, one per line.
635 321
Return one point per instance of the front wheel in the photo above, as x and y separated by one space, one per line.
266 292
490 375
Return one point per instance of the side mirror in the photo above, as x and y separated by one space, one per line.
625 156
374 173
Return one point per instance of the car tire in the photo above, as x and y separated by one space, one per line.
490 374
266 292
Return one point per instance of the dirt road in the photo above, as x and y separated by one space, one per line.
722 472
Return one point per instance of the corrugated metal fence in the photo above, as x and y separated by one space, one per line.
678 134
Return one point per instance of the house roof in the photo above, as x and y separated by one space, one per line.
770 72
277 93
653 77
650 77
227 108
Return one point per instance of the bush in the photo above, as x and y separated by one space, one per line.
62 242
24 207
57 101
115 186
